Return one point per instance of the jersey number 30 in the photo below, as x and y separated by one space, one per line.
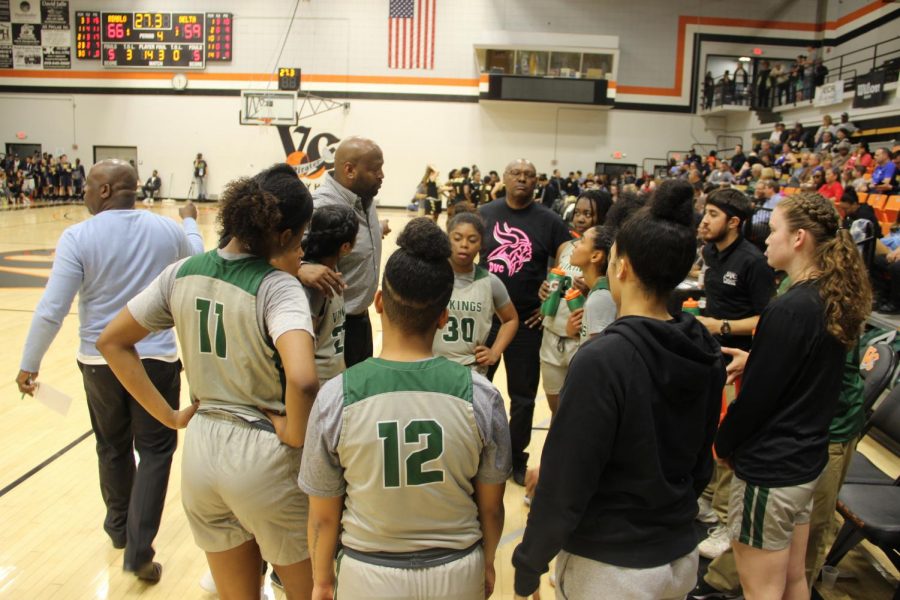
465 325
389 433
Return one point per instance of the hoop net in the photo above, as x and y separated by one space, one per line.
266 121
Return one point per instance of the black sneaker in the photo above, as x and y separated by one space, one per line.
518 476
704 591
275 580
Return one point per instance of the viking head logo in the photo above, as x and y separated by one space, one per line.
513 252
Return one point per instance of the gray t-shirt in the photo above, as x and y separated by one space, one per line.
360 268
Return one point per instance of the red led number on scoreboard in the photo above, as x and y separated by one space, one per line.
115 31
193 31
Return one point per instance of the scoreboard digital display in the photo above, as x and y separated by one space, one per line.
218 37
87 35
155 40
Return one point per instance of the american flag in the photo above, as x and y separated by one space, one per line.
411 34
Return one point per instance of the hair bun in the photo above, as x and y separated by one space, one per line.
673 201
423 239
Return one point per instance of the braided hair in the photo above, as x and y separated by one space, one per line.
331 227
843 281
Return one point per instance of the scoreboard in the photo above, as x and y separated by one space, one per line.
162 40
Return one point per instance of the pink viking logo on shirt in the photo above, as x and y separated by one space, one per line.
513 252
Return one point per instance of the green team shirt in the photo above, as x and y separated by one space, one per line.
405 441
228 310
476 296
557 323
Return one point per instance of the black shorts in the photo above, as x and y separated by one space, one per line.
65 181
433 206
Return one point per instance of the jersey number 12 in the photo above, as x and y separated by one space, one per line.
389 433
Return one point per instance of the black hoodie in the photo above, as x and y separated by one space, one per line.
629 451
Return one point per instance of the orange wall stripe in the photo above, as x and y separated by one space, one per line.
675 90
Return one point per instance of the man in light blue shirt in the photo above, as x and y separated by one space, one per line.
107 260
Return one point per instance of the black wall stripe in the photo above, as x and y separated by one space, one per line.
688 108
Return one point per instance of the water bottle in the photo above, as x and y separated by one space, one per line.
691 306
574 299
556 279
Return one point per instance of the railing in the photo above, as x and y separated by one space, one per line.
721 92
789 88
863 60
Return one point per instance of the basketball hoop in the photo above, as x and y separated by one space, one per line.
266 121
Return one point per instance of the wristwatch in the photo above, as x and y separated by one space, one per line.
725 328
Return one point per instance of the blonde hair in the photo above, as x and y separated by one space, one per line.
843 281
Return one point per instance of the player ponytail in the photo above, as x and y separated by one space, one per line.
659 239
418 279
843 281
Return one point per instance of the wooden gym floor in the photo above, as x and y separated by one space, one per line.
52 544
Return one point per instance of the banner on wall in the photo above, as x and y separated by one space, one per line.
869 90
830 93
57 57
26 11
26 34
55 15
35 34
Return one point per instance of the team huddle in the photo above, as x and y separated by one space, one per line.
375 477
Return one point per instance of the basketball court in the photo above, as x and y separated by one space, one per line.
52 544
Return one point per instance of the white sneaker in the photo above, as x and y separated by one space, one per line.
208 584
717 543
705 512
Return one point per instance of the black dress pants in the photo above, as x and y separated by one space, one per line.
357 338
134 495
523 372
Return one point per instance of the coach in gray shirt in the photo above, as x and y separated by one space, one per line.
354 182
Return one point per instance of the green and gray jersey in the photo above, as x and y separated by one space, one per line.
557 322
405 441
476 296
329 323
227 310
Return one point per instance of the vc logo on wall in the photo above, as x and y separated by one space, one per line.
310 161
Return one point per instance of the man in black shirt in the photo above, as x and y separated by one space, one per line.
521 240
152 185
738 158
739 282
853 211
